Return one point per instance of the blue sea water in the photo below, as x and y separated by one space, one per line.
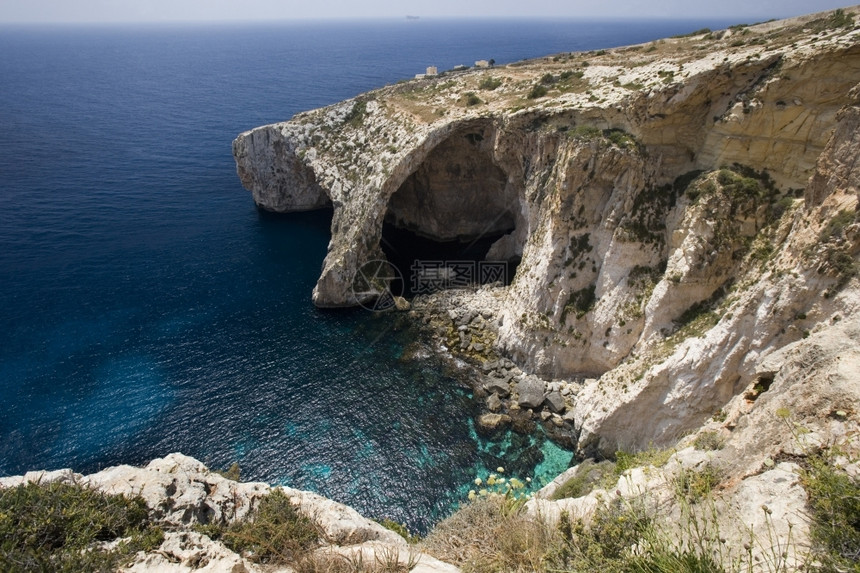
147 307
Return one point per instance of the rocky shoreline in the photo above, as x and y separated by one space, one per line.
463 325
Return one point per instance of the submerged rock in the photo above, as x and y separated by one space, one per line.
493 422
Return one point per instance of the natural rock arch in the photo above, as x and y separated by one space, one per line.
458 192
455 204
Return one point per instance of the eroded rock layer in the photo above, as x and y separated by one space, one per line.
682 208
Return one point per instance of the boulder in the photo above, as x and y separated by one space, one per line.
530 391
521 421
555 401
498 386
489 366
493 422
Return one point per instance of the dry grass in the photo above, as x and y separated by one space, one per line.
492 534
385 560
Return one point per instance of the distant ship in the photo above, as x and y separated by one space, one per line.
408 17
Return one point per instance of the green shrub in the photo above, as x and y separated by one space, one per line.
606 543
234 472
839 263
537 91
834 501
840 19
400 530
589 476
709 441
577 486
580 302
698 319
696 33
651 457
567 74
57 527
781 207
620 138
737 185
837 19
490 83
835 259
472 99
579 245
697 484
699 188
835 228
355 117
275 533
585 132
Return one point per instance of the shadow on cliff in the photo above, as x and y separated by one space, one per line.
427 265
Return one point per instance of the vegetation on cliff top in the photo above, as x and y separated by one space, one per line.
634 534
69 528
602 76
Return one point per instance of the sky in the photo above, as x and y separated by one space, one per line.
256 10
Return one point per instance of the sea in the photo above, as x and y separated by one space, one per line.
148 307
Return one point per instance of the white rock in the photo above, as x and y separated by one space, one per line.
182 552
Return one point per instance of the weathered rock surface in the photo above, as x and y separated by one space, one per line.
185 551
181 493
805 393
645 267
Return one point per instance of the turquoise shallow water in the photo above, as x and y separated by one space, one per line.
147 307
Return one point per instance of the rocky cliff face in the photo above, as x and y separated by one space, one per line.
682 209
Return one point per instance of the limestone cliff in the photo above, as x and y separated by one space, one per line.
681 209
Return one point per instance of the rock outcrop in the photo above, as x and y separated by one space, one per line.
677 206
181 493
804 402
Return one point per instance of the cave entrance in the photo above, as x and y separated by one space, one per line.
452 222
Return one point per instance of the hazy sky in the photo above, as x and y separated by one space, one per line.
208 10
